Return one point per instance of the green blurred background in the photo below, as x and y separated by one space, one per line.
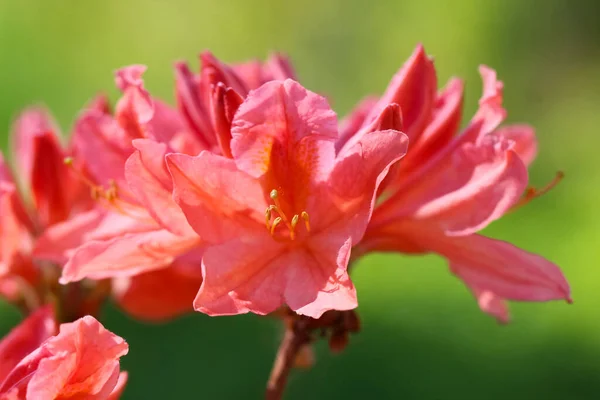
423 335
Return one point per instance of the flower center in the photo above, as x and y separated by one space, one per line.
274 217
109 195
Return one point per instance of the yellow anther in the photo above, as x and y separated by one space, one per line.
274 194
304 215
68 160
276 222
268 217
295 221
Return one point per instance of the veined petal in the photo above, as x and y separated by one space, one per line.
282 131
464 192
149 180
56 241
503 269
126 255
523 139
318 279
356 176
242 275
258 274
217 199
103 146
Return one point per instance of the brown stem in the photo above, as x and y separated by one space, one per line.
296 335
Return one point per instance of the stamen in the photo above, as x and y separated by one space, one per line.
276 222
305 217
268 218
98 193
281 217
533 193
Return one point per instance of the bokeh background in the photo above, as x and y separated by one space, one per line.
423 335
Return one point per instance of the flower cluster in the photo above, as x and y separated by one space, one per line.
248 196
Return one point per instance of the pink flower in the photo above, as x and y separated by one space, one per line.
82 361
130 231
148 239
282 215
450 186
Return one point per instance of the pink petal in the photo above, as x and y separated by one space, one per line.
492 304
281 131
217 199
523 139
14 231
59 241
136 108
127 255
352 123
193 108
258 274
31 123
149 180
243 275
214 71
490 112
503 269
279 67
56 241
413 88
83 359
119 387
43 167
159 295
25 338
318 280
465 192
166 122
356 176
224 104
103 146
444 125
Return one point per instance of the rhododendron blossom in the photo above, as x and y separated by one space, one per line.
449 186
283 213
80 361
248 196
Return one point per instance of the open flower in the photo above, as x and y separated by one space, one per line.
81 361
450 185
282 215
129 232
144 239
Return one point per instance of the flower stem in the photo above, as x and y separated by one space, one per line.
296 335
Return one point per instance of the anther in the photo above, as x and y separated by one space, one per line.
274 194
533 193
276 222
268 217
304 215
